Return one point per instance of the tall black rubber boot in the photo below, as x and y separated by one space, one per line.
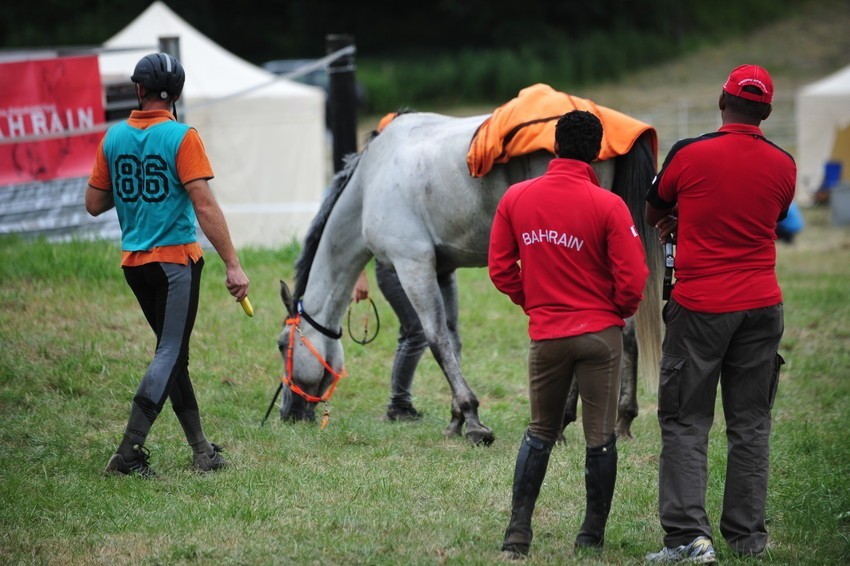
600 475
531 463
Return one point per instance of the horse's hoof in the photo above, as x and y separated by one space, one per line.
482 437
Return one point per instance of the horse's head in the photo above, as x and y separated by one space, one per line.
312 361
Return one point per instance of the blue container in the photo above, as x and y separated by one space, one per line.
793 222
831 174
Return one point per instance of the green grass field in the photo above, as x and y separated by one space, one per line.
73 346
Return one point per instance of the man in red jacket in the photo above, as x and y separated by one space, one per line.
566 251
722 195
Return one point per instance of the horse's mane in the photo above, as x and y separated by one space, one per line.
317 226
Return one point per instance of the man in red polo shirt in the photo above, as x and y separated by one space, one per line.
721 195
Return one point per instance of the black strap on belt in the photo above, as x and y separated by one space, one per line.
669 262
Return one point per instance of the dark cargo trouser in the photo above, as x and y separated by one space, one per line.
594 359
738 349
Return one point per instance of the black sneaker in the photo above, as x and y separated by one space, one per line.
404 413
209 462
138 466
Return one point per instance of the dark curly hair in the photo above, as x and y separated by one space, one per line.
755 110
578 135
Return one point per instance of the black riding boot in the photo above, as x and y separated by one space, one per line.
600 475
531 463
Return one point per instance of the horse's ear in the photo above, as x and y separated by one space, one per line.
286 297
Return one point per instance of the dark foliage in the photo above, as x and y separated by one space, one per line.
263 29
417 53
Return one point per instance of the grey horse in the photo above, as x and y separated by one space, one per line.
408 200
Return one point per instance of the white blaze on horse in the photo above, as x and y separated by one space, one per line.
408 199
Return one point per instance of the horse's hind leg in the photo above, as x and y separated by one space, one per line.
627 407
571 411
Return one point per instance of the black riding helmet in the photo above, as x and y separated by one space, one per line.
160 73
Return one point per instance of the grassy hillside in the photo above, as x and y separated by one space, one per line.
796 51
679 98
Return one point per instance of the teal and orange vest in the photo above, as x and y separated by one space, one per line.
153 206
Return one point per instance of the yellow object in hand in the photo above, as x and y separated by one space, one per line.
246 306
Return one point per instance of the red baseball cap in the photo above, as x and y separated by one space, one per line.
750 75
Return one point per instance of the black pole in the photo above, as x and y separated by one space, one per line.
342 99
171 45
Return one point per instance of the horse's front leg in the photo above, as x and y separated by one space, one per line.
627 406
294 408
426 297
448 290
464 401
455 426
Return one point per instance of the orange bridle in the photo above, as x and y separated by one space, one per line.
295 322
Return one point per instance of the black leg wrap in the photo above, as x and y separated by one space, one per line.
600 476
531 463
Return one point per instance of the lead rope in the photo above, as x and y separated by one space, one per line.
366 339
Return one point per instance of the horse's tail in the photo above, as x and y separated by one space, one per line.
632 178
317 225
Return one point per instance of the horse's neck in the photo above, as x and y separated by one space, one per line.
340 257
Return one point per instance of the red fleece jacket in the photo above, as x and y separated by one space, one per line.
566 251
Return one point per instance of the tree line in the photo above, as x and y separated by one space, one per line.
264 29
414 51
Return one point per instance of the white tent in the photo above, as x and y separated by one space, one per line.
823 130
266 143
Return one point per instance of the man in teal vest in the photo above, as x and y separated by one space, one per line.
155 172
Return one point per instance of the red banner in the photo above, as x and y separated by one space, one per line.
52 99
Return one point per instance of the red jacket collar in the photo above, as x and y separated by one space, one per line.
572 166
741 129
